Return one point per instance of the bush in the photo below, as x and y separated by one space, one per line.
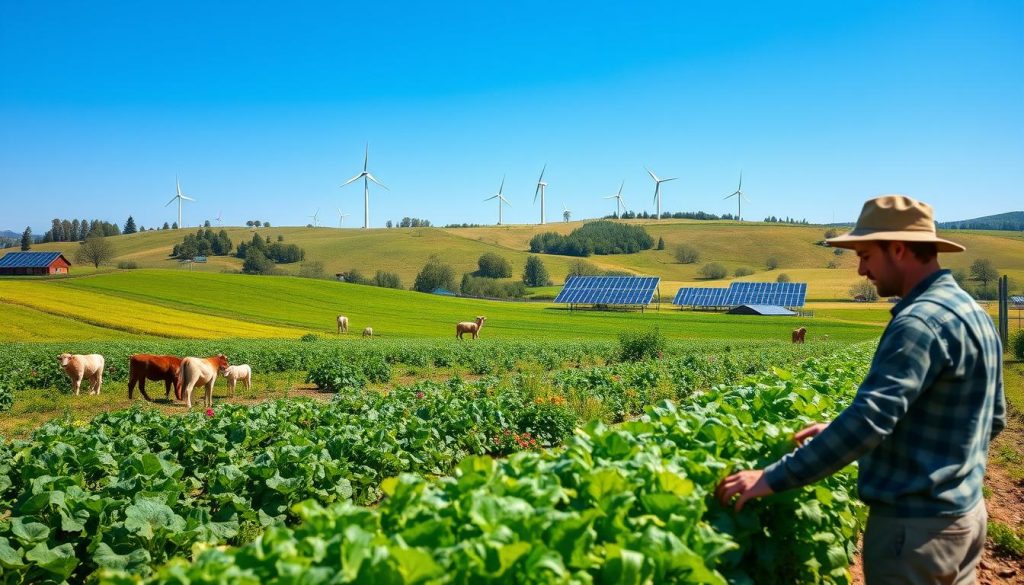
385 279
1017 345
712 271
257 263
772 263
783 278
641 345
548 422
355 276
583 268
435 274
831 233
478 286
309 338
686 254
335 375
661 243
127 265
535 274
864 289
743 271
494 266
313 269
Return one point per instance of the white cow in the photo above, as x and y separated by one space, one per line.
197 371
368 332
83 367
235 373
342 324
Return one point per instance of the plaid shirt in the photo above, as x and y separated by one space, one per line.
922 419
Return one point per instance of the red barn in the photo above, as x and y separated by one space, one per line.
34 264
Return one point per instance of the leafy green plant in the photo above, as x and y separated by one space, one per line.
641 345
1006 540
1017 343
336 375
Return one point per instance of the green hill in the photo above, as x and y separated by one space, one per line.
1013 221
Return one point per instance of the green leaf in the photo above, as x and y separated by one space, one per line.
624 567
10 558
60 560
146 517
30 532
106 557
415 566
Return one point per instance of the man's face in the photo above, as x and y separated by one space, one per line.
878 266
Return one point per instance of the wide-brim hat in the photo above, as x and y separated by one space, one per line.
895 218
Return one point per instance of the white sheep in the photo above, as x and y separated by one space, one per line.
342 324
473 327
368 332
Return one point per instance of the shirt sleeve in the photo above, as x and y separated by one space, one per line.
999 406
908 359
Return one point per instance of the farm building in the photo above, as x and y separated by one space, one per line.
34 264
761 310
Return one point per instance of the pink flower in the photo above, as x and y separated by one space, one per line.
209 412
420 395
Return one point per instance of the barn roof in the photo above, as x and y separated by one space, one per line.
29 259
761 310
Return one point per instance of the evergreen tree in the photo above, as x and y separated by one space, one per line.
166 227
174 226
129 226
26 239
76 229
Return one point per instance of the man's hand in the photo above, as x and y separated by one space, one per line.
807 432
746 484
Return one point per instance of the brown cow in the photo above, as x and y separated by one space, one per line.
200 372
144 366
798 334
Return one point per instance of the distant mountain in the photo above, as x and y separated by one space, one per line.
10 234
1012 221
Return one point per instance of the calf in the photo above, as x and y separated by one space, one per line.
799 334
83 367
235 373
144 366
200 372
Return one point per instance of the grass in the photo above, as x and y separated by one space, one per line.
1005 540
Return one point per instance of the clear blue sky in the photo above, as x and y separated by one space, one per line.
263 109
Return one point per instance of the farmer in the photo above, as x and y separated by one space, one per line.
922 419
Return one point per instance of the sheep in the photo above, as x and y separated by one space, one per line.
368 332
473 327
798 334
235 373
342 324
83 367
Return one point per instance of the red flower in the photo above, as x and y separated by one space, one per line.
420 395
209 412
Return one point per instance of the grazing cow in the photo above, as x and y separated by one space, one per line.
144 366
798 334
368 332
342 324
235 373
473 327
83 367
202 372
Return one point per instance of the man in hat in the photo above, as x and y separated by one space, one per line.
922 419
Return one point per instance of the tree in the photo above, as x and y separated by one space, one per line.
129 226
206 223
387 280
166 227
95 250
435 274
256 262
494 266
389 224
772 263
686 254
984 271
783 278
831 233
661 243
865 290
712 271
535 274
174 226
26 239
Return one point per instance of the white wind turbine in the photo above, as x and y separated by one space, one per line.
657 188
541 186
341 217
217 219
314 216
738 193
180 196
619 201
501 198
367 177
566 213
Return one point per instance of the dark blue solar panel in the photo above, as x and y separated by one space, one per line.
28 259
608 290
784 294
701 297
1017 300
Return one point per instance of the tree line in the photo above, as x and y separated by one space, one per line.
669 215
596 237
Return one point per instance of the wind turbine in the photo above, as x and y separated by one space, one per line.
657 188
217 219
367 177
179 197
341 217
314 216
501 198
566 213
738 193
541 186
618 200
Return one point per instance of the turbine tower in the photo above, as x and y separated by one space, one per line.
367 177
501 198
618 200
314 216
657 188
341 217
179 197
541 186
738 193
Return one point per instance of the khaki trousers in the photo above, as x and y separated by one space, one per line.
924 551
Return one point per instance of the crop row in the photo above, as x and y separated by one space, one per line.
631 503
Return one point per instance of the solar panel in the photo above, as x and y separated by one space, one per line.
1017 300
783 294
608 290
701 297
28 259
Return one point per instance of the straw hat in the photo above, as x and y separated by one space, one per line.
896 218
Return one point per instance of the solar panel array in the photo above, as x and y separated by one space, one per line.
1017 300
28 259
608 290
783 294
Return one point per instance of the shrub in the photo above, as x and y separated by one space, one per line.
1017 344
783 278
335 375
550 422
535 274
1005 540
832 264
6 390
743 271
583 268
494 266
309 337
865 289
712 271
641 345
385 279
772 263
478 286
127 265
686 254
312 269
356 276
377 370
831 233
435 274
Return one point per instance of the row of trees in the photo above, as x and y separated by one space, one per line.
203 243
74 230
673 215
437 274
596 237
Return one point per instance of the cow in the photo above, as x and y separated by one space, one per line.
342 324
235 373
798 334
80 367
200 371
368 332
144 366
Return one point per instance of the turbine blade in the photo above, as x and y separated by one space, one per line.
542 172
172 200
668 179
651 173
186 198
502 187
623 184
366 157
374 179
352 179
536 193
740 188
492 197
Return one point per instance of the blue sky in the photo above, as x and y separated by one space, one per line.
263 109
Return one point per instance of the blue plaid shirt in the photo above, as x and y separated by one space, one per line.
922 419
